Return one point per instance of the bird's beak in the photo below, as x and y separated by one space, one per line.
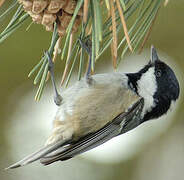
154 56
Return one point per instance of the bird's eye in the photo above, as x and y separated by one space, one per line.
158 73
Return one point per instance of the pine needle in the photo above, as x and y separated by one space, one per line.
166 2
8 31
124 24
148 33
8 10
35 68
123 4
137 21
81 63
85 10
68 57
114 39
42 83
43 71
69 28
89 29
57 49
101 22
55 53
141 31
29 26
107 5
2 2
73 64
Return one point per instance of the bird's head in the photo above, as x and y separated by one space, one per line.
157 84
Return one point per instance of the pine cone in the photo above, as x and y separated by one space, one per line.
46 12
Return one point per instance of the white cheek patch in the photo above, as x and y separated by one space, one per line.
147 87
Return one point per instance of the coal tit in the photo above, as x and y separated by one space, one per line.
102 106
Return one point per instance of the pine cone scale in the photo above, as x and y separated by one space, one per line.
46 12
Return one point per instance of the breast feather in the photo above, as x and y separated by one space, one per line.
89 108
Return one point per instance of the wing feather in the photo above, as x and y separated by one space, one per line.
93 140
39 154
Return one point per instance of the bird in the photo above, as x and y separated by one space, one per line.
100 107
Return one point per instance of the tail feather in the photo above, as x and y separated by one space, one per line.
39 154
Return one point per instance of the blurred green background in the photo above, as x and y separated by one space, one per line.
159 158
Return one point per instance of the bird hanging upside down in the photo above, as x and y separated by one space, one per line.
102 106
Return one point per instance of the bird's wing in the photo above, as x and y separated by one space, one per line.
118 126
